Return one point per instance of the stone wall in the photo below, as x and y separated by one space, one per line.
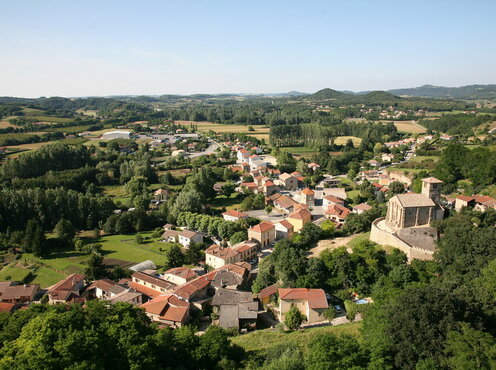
385 237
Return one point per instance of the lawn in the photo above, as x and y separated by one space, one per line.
342 140
233 202
54 267
265 339
358 238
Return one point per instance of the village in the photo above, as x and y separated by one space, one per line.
218 290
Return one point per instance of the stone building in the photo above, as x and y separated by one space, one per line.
407 222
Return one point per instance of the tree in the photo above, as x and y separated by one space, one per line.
286 162
64 230
194 253
327 351
294 318
137 186
238 237
330 313
138 239
38 243
268 209
396 187
228 188
95 269
175 256
470 349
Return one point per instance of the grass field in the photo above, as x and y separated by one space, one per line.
265 339
359 238
424 158
60 263
300 151
411 127
233 202
342 140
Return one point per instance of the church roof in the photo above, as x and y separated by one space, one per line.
432 180
415 200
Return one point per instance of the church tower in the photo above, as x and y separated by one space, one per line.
431 187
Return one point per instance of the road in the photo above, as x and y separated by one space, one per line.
211 149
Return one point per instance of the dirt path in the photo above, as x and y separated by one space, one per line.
330 244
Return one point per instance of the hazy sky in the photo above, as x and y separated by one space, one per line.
104 47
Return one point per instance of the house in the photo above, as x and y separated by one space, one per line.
264 233
337 213
233 215
113 292
285 203
268 294
331 182
284 229
22 293
257 150
170 236
235 308
313 166
310 302
269 188
186 237
4 285
386 157
68 289
149 285
464 201
179 275
167 309
242 155
362 207
307 196
330 200
7 307
217 256
299 219
288 182
161 194
337 192
483 203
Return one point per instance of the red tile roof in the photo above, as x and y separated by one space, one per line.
337 210
307 191
7 307
270 290
182 272
234 213
262 227
316 297
301 214
288 225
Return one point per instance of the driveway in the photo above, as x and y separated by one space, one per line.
211 148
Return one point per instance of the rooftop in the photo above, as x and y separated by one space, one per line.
414 200
316 297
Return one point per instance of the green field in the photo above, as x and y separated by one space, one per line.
300 151
233 202
265 339
359 238
424 158
58 264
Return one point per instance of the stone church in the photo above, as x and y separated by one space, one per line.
407 222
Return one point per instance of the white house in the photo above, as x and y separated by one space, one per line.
186 237
233 215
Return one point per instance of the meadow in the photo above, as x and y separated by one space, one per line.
261 340
63 262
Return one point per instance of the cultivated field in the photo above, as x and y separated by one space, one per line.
261 131
341 140
411 127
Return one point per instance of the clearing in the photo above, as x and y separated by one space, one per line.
268 338
334 243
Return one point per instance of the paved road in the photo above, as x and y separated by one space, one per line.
211 148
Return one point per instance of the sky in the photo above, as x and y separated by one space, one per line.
113 47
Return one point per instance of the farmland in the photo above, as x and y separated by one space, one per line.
261 132
411 127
